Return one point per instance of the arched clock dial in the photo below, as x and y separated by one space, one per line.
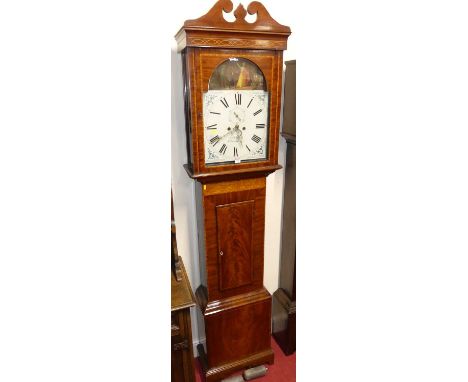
235 125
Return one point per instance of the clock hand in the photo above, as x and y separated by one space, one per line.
228 133
224 136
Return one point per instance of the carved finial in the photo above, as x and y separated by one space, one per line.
240 13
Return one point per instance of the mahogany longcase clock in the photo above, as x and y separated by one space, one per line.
232 86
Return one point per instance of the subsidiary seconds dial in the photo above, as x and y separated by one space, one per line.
235 125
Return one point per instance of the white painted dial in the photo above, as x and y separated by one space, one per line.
235 125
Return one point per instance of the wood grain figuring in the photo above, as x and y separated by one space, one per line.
234 225
216 306
256 195
246 329
234 186
224 304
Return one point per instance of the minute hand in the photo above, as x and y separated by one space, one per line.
225 135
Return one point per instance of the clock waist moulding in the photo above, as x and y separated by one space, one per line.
232 74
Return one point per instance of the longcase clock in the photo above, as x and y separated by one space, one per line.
232 87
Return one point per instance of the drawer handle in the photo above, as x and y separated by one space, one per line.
221 253
180 346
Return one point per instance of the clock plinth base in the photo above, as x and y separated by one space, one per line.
215 374
238 333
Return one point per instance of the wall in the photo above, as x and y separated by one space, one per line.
183 186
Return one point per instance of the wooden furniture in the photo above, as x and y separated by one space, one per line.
232 86
284 299
182 299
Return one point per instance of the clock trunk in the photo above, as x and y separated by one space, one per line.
235 305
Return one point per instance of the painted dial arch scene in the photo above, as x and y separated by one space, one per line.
235 125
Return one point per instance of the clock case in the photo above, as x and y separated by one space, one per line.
230 198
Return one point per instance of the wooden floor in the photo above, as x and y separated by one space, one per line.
284 369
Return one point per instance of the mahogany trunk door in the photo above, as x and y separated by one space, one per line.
234 223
